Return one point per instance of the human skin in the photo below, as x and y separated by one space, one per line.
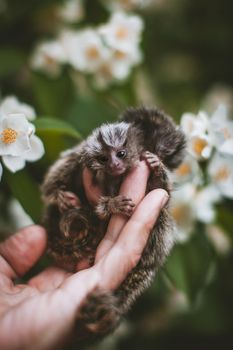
41 314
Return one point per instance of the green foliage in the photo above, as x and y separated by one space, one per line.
190 265
11 60
55 126
25 189
53 96
57 135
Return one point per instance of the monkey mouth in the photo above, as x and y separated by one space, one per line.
117 172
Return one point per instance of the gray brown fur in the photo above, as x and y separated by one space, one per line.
141 130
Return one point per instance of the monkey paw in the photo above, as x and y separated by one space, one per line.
122 205
116 205
67 200
152 160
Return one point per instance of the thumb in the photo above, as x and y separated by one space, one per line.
23 249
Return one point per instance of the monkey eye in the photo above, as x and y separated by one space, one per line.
102 159
121 154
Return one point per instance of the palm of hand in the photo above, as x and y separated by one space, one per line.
42 313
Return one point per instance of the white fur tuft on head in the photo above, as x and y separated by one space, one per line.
111 135
114 135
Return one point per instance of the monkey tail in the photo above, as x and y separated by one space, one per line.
98 316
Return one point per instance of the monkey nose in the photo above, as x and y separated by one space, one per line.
114 166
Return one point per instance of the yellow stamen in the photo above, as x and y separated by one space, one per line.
179 213
92 53
9 136
49 60
120 55
184 169
222 174
121 33
199 145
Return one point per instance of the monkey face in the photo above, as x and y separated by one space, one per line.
112 149
114 161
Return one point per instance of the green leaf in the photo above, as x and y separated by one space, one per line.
10 61
190 265
52 95
26 190
225 219
51 125
89 112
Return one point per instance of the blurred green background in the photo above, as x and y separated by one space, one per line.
188 55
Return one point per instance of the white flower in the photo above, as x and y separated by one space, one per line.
219 239
189 204
18 143
71 11
48 57
200 146
14 135
121 62
197 129
221 174
189 170
122 32
195 124
35 152
222 129
11 105
117 67
183 212
85 50
204 201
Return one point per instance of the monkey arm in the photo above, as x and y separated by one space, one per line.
58 184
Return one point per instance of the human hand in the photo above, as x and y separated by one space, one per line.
42 313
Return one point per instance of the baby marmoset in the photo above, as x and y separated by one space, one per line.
75 228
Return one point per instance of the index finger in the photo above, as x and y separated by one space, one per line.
134 187
126 252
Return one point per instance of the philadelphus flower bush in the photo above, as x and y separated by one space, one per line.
107 53
18 142
206 175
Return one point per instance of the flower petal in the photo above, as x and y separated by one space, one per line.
11 105
21 143
36 151
227 147
13 163
16 121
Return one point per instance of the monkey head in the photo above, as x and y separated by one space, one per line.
112 149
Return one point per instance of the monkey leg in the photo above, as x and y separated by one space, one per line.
159 174
74 223
114 205
99 315
152 160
